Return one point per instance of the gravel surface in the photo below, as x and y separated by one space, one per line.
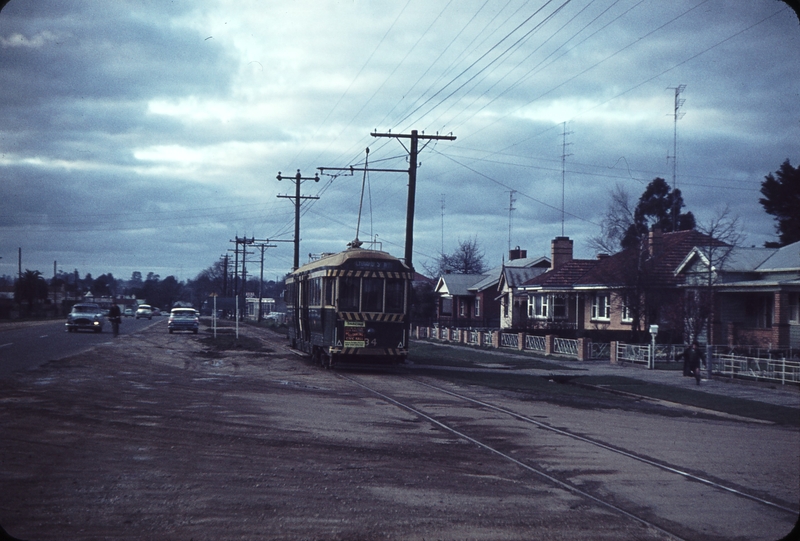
159 436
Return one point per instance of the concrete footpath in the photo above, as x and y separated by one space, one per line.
768 392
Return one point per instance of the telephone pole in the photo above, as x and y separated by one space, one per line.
413 152
298 178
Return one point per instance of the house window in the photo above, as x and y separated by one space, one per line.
539 306
447 306
601 307
462 308
794 308
627 315
477 307
559 306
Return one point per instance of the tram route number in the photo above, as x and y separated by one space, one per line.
354 336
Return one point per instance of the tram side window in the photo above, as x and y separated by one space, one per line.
348 294
372 295
288 294
395 293
330 283
315 292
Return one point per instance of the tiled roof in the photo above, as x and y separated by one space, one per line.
564 276
617 270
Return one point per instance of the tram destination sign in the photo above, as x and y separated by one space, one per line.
354 334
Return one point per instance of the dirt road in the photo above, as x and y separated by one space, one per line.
158 436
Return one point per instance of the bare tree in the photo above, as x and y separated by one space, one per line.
466 259
726 234
617 219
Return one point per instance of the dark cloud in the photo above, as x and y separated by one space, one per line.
145 135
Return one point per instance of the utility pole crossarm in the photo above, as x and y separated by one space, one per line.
415 135
361 169
298 178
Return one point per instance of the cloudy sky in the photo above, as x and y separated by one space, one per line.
145 135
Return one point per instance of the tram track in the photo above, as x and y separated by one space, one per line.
634 514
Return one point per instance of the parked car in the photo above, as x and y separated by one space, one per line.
85 316
128 312
143 311
183 319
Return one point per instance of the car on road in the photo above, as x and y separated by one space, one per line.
156 311
128 312
85 315
183 319
143 311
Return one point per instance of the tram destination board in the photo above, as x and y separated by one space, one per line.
354 334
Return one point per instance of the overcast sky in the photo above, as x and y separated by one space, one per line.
145 135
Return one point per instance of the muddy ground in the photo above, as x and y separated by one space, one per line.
159 436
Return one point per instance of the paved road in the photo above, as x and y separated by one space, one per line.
28 345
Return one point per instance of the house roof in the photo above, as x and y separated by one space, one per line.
759 260
522 270
615 270
457 284
786 258
562 277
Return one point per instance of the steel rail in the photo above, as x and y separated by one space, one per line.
608 447
550 478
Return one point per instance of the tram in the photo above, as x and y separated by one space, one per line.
350 306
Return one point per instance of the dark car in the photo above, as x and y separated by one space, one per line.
183 319
85 316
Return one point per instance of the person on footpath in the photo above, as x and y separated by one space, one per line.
115 317
692 357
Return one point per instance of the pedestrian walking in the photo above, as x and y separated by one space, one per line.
692 358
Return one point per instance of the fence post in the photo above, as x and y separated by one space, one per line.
496 339
549 344
583 344
521 341
612 353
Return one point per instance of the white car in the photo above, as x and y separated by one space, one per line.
144 310
87 316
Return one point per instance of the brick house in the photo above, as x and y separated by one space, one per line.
621 293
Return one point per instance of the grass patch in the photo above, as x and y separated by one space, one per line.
734 406
229 342
463 357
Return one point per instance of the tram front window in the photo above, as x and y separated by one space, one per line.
395 290
348 294
372 295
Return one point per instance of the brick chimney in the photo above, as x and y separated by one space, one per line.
561 251
655 241
516 253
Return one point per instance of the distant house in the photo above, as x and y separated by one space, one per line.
755 293
456 302
473 301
